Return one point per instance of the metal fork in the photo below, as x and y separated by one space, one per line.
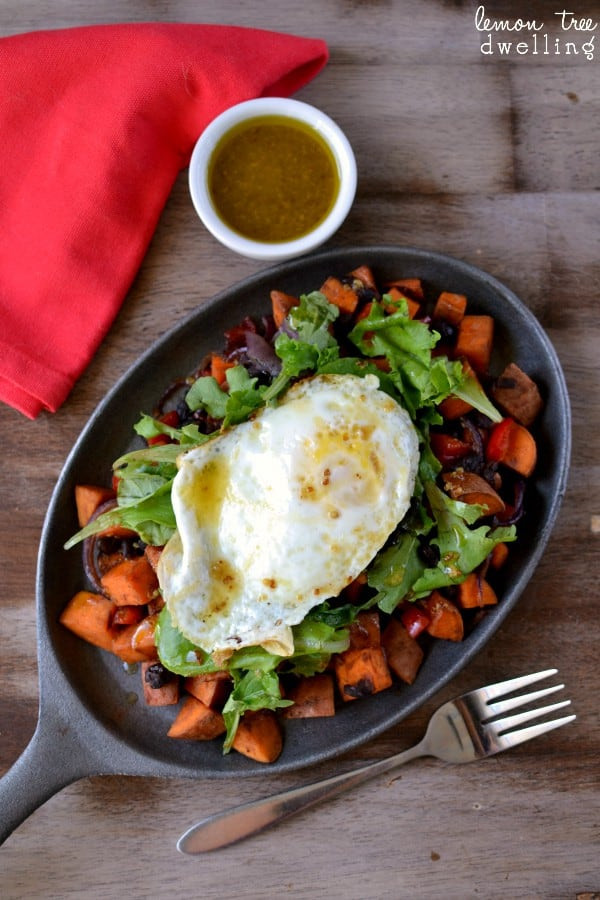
462 730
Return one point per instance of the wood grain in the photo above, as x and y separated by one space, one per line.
495 161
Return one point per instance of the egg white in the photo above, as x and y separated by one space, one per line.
281 512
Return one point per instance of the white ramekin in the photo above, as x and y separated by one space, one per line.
272 106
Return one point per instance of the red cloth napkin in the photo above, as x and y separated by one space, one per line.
95 124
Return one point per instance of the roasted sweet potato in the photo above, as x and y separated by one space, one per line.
446 621
196 722
143 637
88 498
364 274
517 395
403 653
499 555
259 736
157 690
468 487
414 307
212 689
450 307
475 591
128 615
360 673
89 616
475 340
219 366
339 294
123 646
131 582
412 286
313 697
281 303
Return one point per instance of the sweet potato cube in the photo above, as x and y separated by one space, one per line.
339 294
446 621
475 591
259 736
88 498
212 689
362 672
131 582
516 393
413 307
196 722
143 637
123 645
404 654
281 303
475 340
89 616
499 555
450 307
412 286
165 693
364 274
468 487
313 697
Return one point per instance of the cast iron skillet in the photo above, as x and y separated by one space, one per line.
88 722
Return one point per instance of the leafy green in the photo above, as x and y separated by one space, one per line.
253 669
234 404
422 380
469 389
436 527
400 573
252 690
148 427
312 344
178 654
151 516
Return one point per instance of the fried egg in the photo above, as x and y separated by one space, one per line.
281 512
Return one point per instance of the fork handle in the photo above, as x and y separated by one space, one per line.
241 821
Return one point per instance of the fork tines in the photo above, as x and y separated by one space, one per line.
493 707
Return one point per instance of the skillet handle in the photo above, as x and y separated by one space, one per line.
39 773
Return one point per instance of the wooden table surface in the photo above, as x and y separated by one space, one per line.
488 157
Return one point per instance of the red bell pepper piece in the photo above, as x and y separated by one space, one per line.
170 418
513 445
498 441
448 449
415 620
